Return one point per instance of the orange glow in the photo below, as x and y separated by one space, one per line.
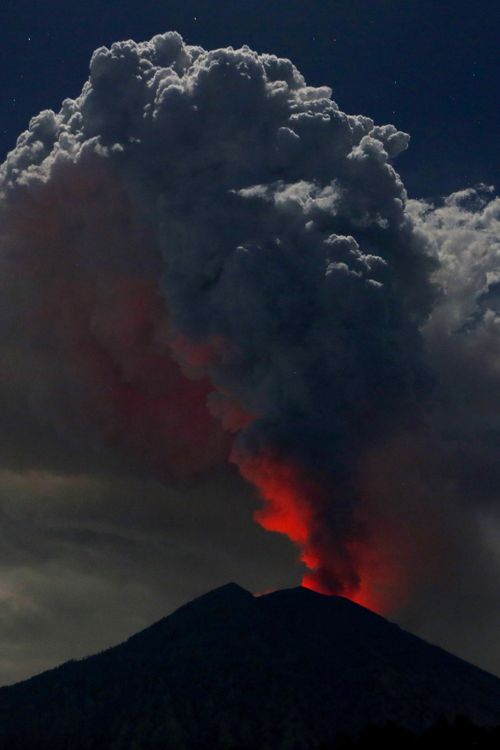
362 594
371 591
286 511
294 506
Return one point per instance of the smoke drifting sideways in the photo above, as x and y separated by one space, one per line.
204 259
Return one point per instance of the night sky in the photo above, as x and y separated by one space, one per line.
97 543
431 71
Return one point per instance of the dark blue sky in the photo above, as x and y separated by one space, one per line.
430 67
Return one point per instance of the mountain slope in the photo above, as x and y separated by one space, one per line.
286 670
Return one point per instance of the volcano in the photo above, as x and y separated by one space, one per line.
290 669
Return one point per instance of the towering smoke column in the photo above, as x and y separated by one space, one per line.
204 259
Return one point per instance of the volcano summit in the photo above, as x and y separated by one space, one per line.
229 670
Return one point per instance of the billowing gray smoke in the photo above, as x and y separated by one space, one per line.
204 258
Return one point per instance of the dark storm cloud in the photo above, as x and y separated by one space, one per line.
201 244
294 281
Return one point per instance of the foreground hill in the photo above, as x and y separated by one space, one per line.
228 670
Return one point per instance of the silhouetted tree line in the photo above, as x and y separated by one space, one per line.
123 702
444 735
151 734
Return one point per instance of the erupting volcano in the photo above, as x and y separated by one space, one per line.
207 261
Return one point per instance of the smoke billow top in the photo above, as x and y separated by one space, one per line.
205 260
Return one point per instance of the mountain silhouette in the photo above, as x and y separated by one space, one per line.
290 669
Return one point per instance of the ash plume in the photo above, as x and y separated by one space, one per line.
204 259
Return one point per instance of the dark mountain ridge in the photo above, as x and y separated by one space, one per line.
289 669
